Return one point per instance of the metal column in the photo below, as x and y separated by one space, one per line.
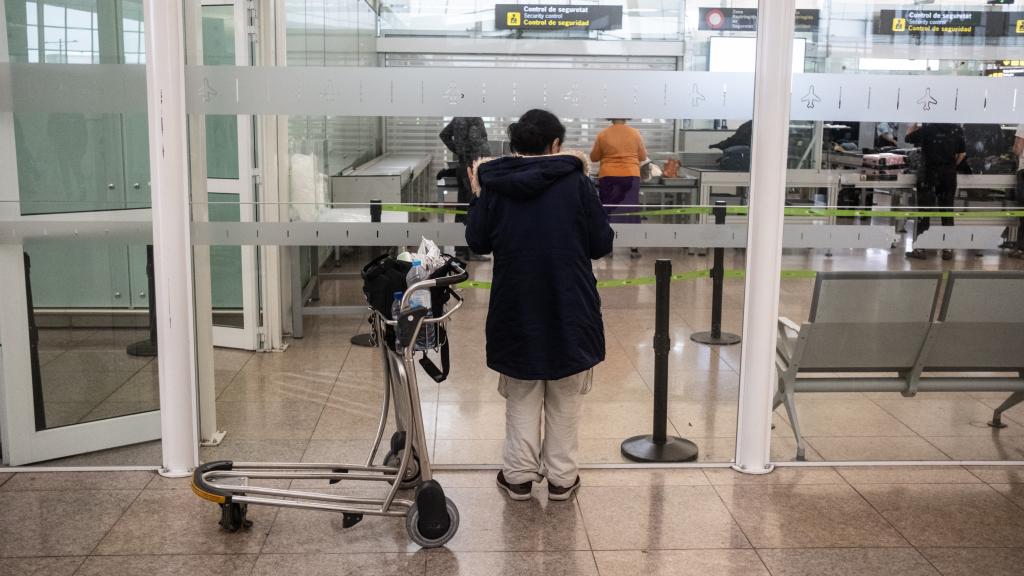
772 82
172 250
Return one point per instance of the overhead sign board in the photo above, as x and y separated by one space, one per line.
1005 68
952 22
556 17
745 19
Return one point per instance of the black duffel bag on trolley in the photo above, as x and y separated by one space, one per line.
385 275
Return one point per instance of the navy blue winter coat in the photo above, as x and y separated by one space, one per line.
542 219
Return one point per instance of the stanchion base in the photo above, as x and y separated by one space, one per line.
644 449
144 349
708 338
363 340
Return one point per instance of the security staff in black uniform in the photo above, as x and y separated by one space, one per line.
943 148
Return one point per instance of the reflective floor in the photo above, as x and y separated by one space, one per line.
318 399
853 521
86 374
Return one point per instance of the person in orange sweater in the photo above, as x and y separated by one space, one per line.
620 149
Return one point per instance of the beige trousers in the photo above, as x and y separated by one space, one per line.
557 404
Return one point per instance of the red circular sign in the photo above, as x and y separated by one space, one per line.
715 19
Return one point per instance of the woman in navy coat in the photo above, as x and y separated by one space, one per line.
540 215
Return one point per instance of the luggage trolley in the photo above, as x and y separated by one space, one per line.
430 518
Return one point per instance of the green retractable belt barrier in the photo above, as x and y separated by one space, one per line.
743 211
837 212
420 209
650 280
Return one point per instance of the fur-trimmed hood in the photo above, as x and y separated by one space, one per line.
527 176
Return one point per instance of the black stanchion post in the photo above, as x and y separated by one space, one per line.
659 446
716 337
33 347
662 345
366 340
148 348
376 210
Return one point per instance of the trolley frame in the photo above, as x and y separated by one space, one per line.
213 481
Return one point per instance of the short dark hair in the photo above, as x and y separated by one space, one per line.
535 132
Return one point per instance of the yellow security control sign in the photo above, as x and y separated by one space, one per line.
927 21
522 17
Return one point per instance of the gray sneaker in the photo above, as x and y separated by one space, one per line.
559 494
518 492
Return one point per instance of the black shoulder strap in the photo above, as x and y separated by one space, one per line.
438 375
439 300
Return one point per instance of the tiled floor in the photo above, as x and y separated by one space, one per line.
318 398
797 521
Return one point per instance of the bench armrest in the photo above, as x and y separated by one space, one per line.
789 324
783 347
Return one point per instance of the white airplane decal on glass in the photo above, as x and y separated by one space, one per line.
811 98
927 101
696 97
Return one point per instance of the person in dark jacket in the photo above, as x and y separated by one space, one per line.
540 215
943 148
466 138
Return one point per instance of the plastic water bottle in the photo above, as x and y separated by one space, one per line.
418 273
396 311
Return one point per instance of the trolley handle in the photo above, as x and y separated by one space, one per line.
459 277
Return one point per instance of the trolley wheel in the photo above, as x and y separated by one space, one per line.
398 440
232 517
433 520
350 520
411 479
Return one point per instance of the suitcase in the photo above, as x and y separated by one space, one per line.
884 160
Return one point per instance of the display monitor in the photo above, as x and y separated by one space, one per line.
737 54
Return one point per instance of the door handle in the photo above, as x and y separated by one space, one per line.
110 186
136 185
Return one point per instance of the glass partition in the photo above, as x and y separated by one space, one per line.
87 370
79 373
913 172
364 124
221 131
75 161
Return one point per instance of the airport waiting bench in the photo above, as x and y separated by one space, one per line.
866 323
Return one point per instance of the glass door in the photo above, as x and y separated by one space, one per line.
72 304
230 183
